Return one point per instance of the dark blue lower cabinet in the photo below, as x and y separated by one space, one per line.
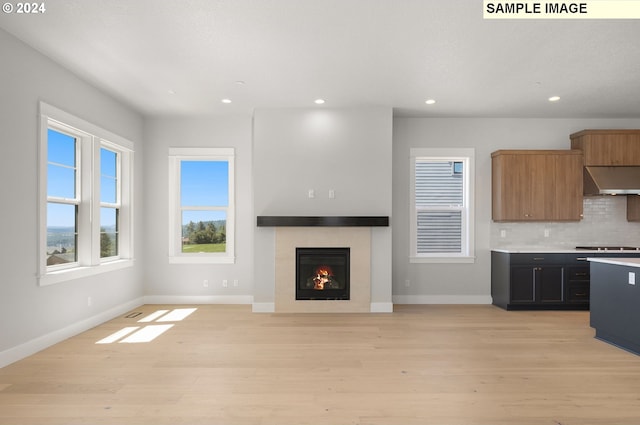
539 281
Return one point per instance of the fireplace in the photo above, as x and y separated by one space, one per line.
289 238
322 273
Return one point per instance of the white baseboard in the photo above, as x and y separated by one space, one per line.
442 299
382 307
28 348
263 308
198 299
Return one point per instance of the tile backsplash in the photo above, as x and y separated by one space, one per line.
604 223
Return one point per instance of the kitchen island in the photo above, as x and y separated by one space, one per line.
615 301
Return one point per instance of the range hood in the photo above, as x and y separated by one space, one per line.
617 180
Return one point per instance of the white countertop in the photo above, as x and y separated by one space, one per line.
629 262
529 250
558 250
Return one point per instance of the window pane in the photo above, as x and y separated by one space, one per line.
439 183
108 176
61 182
439 231
61 167
62 233
61 148
204 183
108 232
204 231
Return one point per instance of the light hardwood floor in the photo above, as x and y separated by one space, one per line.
446 365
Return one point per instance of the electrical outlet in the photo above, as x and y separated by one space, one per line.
225 283
235 282
205 283
332 194
503 233
311 193
632 278
407 283
89 302
546 233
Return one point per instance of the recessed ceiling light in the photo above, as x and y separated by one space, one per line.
171 91
240 83
319 101
226 100
430 101
554 98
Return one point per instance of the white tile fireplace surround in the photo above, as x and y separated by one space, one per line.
358 239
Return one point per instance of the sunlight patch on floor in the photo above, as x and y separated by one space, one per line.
147 334
133 334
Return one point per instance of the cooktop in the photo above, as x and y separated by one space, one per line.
610 248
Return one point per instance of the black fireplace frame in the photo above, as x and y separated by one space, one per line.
303 294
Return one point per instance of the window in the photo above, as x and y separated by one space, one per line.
201 205
109 202
85 198
63 197
442 205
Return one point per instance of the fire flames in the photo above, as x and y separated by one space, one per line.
322 275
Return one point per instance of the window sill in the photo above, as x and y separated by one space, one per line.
200 259
80 272
443 260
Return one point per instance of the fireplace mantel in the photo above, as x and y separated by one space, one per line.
320 221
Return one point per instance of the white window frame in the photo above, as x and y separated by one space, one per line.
176 156
467 157
89 140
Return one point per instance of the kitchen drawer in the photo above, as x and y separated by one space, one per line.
578 292
538 258
580 258
578 273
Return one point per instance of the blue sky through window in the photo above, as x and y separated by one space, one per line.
61 177
61 215
108 176
61 165
203 184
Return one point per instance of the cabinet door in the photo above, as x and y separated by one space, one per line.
519 183
633 208
523 288
550 281
537 284
568 183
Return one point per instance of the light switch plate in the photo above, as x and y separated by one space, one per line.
632 278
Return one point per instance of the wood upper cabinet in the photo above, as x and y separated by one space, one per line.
537 185
611 148
608 147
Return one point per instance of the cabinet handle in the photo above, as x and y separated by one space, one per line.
562 285
581 294
535 269
538 258
581 259
581 274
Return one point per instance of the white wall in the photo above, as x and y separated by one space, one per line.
166 282
347 150
31 314
464 283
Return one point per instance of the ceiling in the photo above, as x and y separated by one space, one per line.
182 57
